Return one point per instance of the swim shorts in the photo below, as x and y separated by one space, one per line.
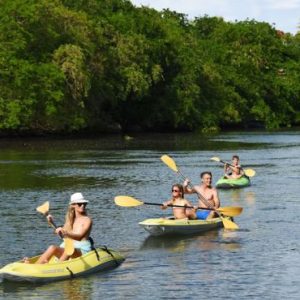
84 246
202 214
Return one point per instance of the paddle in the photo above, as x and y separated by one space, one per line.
248 172
172 165
128 201
69 245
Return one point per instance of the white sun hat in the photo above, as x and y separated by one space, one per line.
77 198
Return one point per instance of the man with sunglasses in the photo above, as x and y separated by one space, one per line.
78 226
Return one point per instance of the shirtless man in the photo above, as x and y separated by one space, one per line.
235 171
208 192
78 226
177 199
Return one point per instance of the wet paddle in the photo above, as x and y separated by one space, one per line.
172 165
127 201
248 172
69 245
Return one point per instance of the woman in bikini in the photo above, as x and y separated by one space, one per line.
178 199
78 226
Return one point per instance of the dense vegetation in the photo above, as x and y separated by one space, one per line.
70 65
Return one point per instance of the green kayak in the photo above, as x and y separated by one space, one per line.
225 183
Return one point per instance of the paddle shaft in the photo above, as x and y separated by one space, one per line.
52 223
172 205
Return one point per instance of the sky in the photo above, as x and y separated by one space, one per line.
282 14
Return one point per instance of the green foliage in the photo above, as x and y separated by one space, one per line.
73 65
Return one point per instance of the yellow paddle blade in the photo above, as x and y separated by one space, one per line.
216 159
229 224
44 208
249 172
230 211
127 201
69 246
169 162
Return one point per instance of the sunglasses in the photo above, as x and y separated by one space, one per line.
176 191
80 204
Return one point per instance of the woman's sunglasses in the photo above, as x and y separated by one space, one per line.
80 204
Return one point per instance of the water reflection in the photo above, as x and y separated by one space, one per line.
183 141
172 243
211 240
238 196
223 263
230 240
250 198
77 288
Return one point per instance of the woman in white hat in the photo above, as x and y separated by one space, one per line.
78 226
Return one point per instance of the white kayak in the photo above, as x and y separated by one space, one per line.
171 226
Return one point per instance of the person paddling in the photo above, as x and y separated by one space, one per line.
178 199
235 170
78 226
208 192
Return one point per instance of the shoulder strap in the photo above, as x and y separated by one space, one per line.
93 247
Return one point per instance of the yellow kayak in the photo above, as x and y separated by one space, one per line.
96 260
161 226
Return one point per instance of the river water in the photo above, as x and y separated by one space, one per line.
259 261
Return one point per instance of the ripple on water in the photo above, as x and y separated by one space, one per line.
259 261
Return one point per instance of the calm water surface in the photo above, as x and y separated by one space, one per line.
260 261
